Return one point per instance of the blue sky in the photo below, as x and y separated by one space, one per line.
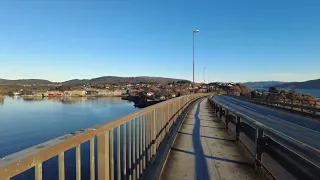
238 40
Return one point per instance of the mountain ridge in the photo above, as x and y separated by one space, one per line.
311 84
263 84
102 79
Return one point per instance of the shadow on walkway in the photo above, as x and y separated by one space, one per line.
201 163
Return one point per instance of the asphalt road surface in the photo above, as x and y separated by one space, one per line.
298 127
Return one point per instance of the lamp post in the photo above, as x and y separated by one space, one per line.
204 75
194 32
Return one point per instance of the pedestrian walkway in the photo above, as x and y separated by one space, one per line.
203 149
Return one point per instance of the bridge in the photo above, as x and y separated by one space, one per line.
198 136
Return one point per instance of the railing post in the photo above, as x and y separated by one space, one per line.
130 150
103 156
168 118
125 150
119 152
154 133
238 128
217 110
78 162
92 166
258 147
61 166
141 145
145 146
180 107
149 135
111 154
137 148
227 118
220 113
38 171
134 165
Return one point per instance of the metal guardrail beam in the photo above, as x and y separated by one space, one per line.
298 158
283 104
140 134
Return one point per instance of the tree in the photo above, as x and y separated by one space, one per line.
273 90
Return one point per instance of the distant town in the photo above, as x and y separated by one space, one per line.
143 94
149 91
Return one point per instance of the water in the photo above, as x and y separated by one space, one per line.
314 92
28 122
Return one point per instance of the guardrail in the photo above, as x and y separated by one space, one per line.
299 159
292 106
124 146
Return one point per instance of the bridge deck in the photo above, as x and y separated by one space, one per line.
203 149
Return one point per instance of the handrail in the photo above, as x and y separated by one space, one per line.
139 135
313 109
262 132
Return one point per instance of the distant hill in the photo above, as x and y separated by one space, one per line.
24 82
263 84
116 79
99 80
312 84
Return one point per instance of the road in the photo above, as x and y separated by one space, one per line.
298 127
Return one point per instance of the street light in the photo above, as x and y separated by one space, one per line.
204 75
194 32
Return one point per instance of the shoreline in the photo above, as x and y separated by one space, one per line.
66 96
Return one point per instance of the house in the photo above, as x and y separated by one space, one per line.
110 93
41 93
27 92
55 93
75 93
91 93
202 90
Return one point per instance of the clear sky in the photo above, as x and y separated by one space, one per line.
238 40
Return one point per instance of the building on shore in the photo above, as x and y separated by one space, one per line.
41 94
55 93
74 93
111 93
91 93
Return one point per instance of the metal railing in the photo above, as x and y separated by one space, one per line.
285 103
125 146
298 158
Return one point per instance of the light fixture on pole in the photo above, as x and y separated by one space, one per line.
194 32
204 75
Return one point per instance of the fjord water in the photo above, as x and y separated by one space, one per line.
314 92
28 122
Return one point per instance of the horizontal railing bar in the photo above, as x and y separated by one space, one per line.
309 108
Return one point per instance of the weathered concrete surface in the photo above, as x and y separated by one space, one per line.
203 150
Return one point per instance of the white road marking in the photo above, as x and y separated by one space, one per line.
248 108
293 123
277 118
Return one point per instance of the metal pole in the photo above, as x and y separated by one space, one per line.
193 64
204 75
194 32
